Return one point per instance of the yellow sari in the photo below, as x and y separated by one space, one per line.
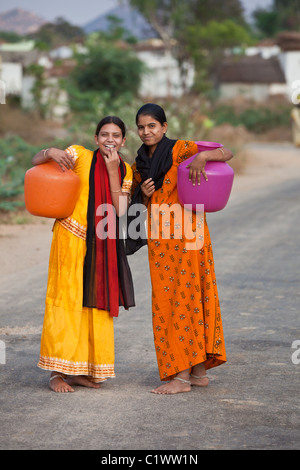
75 340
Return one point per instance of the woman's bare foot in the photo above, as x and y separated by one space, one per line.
198 376
177 385
199 381
82 380
58 384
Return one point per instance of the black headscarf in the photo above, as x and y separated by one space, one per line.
156 168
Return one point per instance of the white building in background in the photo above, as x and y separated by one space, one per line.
289 57
266 49
271 68
290 63
14 58
27 100
164 77
251 77
12 75
11 71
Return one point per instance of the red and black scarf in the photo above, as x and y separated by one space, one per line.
107 280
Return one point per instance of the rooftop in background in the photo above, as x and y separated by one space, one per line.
253 69
289 41
22 46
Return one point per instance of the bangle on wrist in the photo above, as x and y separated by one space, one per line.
116 191
45 151
221 150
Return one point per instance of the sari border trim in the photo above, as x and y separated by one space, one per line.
74 227
98 371
126 186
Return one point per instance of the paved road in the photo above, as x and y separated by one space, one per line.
252 401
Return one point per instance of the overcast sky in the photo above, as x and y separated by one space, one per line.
82 12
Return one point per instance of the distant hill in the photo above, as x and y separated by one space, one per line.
20 21
132 21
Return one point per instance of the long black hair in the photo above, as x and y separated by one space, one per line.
153 110
111 119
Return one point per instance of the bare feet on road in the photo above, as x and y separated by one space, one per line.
60 383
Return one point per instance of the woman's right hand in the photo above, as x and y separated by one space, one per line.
148 187
61 157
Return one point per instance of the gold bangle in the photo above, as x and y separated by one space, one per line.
45 153
219 148
116 191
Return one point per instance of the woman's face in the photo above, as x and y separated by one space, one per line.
151 131
109 137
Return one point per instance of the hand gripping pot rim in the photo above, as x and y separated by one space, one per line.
215 192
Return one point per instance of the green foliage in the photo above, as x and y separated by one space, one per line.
37 71
255 119
91 107
106 80
108 68
179 14
280 16
11 184
60 32
266 22
15 159
218 35
116 31
202 31
10 36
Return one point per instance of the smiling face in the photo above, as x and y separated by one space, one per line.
151 131
110 137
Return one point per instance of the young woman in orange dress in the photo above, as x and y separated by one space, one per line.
187 324
89 276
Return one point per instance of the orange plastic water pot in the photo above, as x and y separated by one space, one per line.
49 191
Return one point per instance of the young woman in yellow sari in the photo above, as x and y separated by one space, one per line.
89 276
187 322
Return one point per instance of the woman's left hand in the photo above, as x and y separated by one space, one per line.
197 167
112 160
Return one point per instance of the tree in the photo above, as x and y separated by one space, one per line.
10 36
197 30
116 31
58 33
266 22
281 16
214 38
109 65
169 16
37 71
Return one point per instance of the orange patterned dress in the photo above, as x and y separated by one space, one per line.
187 324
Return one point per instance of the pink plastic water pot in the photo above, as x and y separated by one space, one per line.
215 192
49 191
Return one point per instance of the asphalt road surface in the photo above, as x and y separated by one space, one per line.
252 401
